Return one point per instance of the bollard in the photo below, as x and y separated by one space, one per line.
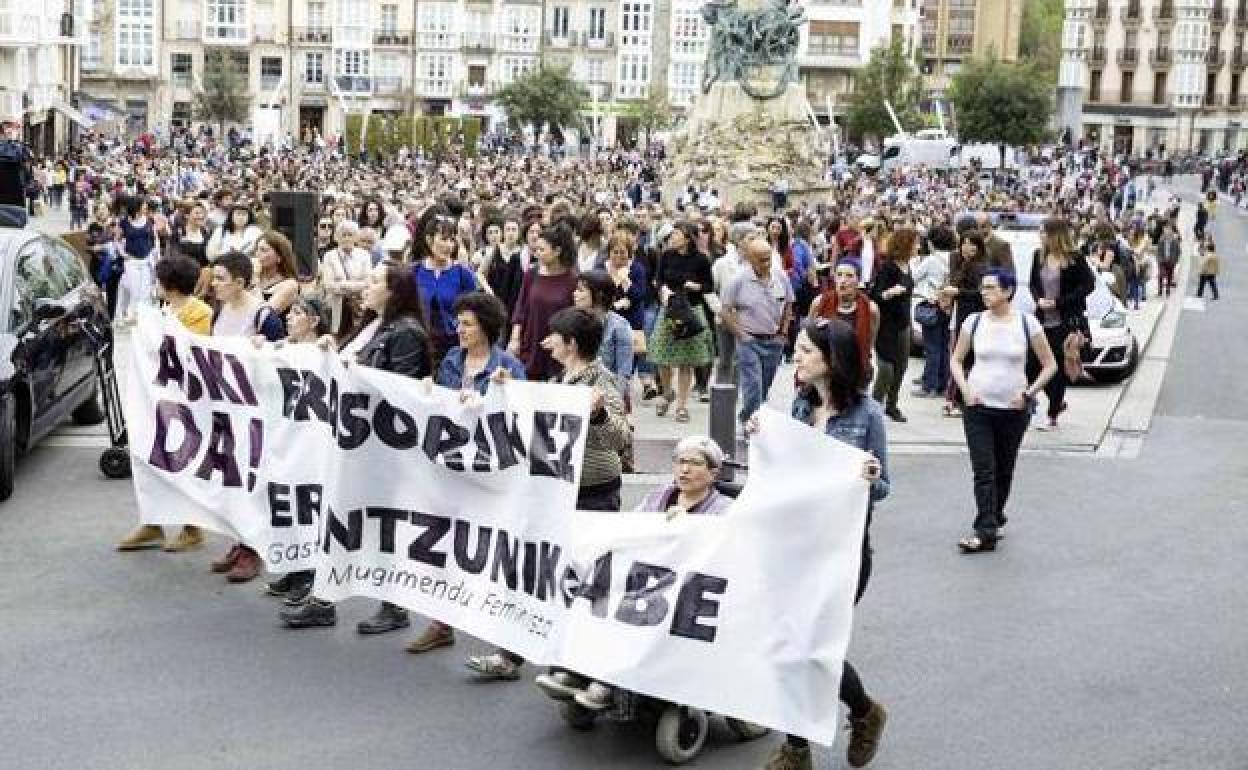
722 423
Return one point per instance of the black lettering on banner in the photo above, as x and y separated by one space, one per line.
279 503
292 388
506 551
354 428
387 517
331 410
312 400
528 572
349 536
307 504
643 603
174 460
571 425
402 435
546 566
212 368
475 563
595 587
481 461
542 457
219 457
444 438
422 548
692 604
508 444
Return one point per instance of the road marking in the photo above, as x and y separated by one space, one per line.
1194 303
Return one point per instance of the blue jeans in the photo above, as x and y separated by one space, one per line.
757 361
649 315
936 357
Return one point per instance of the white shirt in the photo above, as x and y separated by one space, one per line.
999 373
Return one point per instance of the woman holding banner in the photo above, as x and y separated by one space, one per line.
832 399
392 336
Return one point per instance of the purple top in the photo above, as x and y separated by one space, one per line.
541 296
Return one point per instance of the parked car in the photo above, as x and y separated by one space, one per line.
47 371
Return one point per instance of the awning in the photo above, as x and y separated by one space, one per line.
68 111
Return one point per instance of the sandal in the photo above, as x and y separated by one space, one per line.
976 544
682 415
949 410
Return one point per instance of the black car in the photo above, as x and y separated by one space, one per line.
47 363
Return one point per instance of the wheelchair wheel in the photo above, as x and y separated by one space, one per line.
745 731
577 716
681 733
115 463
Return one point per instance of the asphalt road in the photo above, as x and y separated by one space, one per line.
1107 633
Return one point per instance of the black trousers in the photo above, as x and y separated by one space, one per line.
1207 280
1055 389
993 437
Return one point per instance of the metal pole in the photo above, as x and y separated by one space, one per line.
722 420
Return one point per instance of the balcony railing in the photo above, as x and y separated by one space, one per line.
1131 14
480 43
1234 100
1128 57
1102 12
607 41
1212 100
438 88
186 30
322 35
518 43
1215 59
1241 17
1164 12
269 82
389 84
1097 56
354 84
476 91
181 80
266 33
1160 57
554 39
392 37
20 28
314 86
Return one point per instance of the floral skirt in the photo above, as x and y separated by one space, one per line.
665 350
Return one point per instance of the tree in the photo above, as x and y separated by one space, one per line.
1040 37
1001 103
889 75
545 97
223 96
654 113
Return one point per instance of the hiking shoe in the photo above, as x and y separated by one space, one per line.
188 539
246 566
311 615
434 636
864 736
146 536
389 617
788 757
226 563
299 595
596 697
560 685
494 667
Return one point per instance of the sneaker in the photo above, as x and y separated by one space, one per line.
282 586
560 685
596 697
389 617
895 415
299 595
146 536
496 667
246 567
311 615
864 736
226 562
788 757
188 539
436 635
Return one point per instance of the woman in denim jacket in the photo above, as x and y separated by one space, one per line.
828 360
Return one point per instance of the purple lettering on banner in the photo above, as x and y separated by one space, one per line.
240 377
174 460
256 445
211 365
170 366
220 453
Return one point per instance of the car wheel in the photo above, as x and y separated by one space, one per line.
680 734
8 445
115 463
89 412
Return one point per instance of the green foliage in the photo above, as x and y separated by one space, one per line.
546 97
890 76
654 113
1040 38
224 95
421 134
354 130
472 134
375 138
1001 103
404 132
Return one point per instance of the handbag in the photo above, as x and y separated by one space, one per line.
1072 355
684 322
639 342
928 314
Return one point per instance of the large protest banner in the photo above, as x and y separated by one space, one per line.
465 512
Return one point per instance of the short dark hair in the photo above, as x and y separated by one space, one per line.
238 265
580 326
560 238
847 378
602 291
177 273
488 310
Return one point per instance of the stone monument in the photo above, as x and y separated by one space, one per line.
750 126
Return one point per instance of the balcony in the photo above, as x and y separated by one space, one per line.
1234 100
270 82
1128 58
266 33
186 30
1164 13
1160 58
182 80
434 88
1239 60
476 91
315 35
1215 59
392 37
1097 55
22 29
518 43
313 86
600 43
1241 18
1217 16
1100 16
389 84
558 40
1212 101
479 44
600 88
1131 14
353 84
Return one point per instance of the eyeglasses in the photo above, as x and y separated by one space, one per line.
987 286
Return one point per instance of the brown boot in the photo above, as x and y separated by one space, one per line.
188 539
246 568
435 635
146 536
864 736
226 563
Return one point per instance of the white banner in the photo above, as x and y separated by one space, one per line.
465 513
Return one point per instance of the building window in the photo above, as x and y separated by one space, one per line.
833 38
271 67
519 27
515 66
1094 86
597 23
390 19
181 67
435 23
1125 94
559 21
316 14
596 71
683 85
181 114
1232 98
689 31
135 33
1159 88
91 56
352 63
225 19
635 24
476 75
634 75
314 67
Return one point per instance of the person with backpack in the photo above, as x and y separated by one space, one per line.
998 398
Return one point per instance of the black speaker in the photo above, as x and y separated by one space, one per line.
294 214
